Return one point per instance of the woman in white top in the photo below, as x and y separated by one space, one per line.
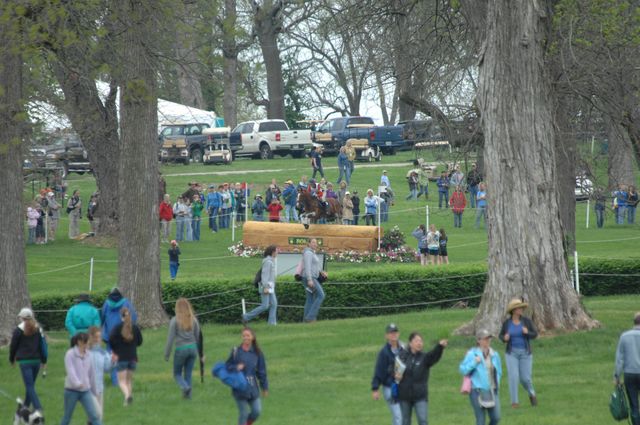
267 288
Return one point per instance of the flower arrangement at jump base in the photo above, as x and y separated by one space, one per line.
392 250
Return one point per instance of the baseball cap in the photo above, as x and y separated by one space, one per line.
49 194
347 193
391 327
25 313
483 333
212 186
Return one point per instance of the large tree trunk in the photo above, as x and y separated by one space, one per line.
139 256
622 162
526 253
267 23
187 62
13 284
230 65
565 147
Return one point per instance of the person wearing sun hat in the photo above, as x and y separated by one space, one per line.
517 332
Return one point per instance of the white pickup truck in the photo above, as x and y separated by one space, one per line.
265 138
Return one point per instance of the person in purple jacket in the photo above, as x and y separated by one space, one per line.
110 316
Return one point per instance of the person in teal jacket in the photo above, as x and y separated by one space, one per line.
482 365
110 316
81 316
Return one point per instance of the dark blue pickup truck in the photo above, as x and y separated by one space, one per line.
334 133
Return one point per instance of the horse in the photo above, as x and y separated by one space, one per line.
311 209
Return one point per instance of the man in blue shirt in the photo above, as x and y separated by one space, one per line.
481 205
443 190
290 197
620 201
213 206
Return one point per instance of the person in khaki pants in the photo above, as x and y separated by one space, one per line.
74 208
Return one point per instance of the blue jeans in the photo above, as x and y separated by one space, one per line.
88 401
180 228
183 361
479 411
189 229
29 373
599 216
473 192
519 366
423 189
394 407
420 407
480 213
248 410
225 219
443 197
314 300
632 385
32 235
384 212
213 218
413 194
318 170
620 214
344 172
631 215
195 228
290 211
258 217
269 302
173 269
457 219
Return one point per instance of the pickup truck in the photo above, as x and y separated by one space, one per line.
183 142
64 151
264 138
335 132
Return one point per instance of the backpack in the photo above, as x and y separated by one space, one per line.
257 280
618 404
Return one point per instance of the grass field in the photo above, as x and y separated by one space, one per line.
321 374
47 264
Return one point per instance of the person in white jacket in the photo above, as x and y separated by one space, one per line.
267 288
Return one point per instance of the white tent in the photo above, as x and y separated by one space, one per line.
168 113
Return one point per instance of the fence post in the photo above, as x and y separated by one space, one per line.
427 217
588 203
246 202
379 224
91 275
233 225
577 273
244 307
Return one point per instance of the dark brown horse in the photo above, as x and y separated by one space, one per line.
311 208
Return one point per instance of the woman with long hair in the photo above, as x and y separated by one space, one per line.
249 359
184 330
267 287
124 341
29 349
443 255
420 233
80 382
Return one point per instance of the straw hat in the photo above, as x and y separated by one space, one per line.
516 303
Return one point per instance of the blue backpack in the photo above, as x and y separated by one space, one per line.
233 379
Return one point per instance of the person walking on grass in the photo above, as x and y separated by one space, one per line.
413 389
311 274
110 315
482 365
101 361
74 209
384 376
174 259
627 366
249 359
29 349
81 316
80 381
267 288
125 340
420 233
184 331
517 332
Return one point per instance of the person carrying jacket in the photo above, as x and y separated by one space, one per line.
384 373
29 349
482 365
81 316
413 389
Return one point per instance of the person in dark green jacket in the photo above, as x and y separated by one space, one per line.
82 316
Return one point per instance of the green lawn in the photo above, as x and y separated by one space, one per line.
321 373
210 257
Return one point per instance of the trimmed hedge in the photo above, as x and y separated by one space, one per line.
403 285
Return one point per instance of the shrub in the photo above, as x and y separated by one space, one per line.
365 291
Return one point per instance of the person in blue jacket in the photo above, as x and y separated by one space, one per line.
482 365
214 202
443 190
249 359
384 375
111 318
290 198
81 316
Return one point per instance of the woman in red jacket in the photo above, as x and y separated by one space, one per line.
166 215
457 202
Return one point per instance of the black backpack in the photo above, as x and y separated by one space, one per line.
258 279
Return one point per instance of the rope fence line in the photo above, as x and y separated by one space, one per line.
429 279
379 306
220 309
199 297
610 240
611 274
58 270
